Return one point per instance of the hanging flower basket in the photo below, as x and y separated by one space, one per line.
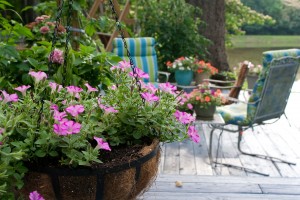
112 181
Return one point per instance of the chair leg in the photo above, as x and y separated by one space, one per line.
274 159
214 163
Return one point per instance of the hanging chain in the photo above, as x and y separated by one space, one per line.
133 67
66 53
54 39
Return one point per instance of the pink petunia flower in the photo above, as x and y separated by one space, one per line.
73 90
54 107
102 144
149 97
107 109
90 88
57 56
68 127
150 87
139 73
44 29
1 130
35 196
75 110
168 87
184 117
9 97
123 65
58 116
55 87
71 127
22 89
190 106
38 76
193 134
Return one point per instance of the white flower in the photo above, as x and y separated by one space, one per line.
181 68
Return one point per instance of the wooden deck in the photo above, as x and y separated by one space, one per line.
189 164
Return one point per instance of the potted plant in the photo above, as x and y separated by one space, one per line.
253 73
183 68
203 71
227 77
204 101
66 142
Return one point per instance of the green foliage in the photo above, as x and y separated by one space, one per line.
173 25
238 15
286 15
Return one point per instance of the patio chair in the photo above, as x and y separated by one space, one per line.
142 51
267 101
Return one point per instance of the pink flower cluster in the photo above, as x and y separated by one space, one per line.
57 56
65 126
8 97
44 29
139 73
186 118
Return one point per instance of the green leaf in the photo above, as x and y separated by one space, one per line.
40 153
41 141
33 62
137 135
53 153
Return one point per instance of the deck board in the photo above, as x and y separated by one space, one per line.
189 163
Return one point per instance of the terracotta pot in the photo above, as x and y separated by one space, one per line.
205 113
199 77
120 182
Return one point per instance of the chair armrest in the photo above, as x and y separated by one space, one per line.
239 101
166 74
218 81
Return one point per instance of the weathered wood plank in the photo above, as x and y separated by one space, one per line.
212 187
171 160
187 159
202 161
227 179
280 189
215 196
218 170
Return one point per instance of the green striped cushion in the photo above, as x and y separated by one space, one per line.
142 51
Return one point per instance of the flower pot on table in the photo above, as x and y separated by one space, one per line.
205 113
184 77
109 182
251 80
199 77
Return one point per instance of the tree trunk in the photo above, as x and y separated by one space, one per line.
213 14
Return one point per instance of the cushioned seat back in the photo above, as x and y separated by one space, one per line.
142 51
272 89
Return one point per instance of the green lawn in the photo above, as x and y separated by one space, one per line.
255 41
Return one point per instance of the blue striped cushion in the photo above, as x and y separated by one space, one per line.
142 51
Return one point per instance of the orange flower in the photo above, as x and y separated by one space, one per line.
207 99
169 63
197 98
199 71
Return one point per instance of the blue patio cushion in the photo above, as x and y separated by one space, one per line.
142 51
234 113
